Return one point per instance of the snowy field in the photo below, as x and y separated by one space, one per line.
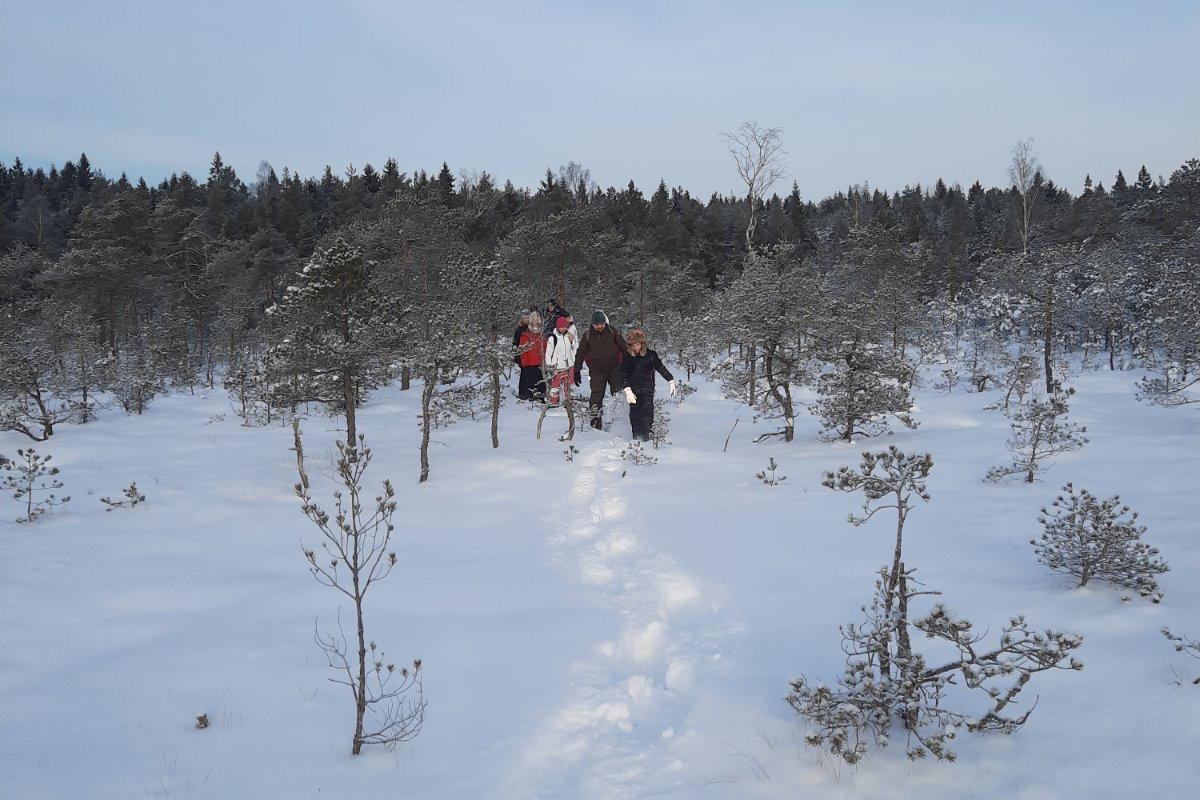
590 629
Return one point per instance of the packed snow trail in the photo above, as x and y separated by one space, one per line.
618 730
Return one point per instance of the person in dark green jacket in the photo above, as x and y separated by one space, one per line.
602 347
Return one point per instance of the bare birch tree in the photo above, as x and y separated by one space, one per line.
1023 170
758 155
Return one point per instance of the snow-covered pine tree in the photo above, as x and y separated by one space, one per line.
1087 537
990 319
28 403
178 362
447 348
886 681
1040 431
767 314
83 361
1106 303
248 383
868 313
1043 280
863 385
939 336
1171 334
137 379
487 297
330 328
1019 373
32 481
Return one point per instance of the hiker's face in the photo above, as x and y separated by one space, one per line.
598 327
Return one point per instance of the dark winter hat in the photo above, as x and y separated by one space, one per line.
562 323
599 318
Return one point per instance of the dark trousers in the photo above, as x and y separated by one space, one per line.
598 381
641 415
530 387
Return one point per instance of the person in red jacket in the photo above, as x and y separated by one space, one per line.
531 350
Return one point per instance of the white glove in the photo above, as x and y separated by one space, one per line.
630 396
674 387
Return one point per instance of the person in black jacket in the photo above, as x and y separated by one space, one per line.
638 369
522 326
553 312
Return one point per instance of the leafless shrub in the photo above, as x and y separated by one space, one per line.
355 556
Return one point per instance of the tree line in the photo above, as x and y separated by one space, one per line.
292 290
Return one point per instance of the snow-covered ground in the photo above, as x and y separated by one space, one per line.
589 629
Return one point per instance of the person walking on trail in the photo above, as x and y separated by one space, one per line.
531 349
638 371
522 327
601 347
553 312
561 347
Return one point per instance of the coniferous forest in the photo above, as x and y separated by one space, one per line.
116 285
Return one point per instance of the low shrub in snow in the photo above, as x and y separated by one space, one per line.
768 476
130 498
1088 538
637 455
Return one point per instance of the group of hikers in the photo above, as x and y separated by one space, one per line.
551 354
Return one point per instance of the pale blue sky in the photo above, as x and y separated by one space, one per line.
889 92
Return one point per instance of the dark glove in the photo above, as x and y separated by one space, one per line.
578 378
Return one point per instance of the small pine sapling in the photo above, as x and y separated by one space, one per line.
131 497
1088 538
768 475
950 378
660 429
1184 644
637 455
32 480
683 391
1019 378
571 452
1040 431
356 556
